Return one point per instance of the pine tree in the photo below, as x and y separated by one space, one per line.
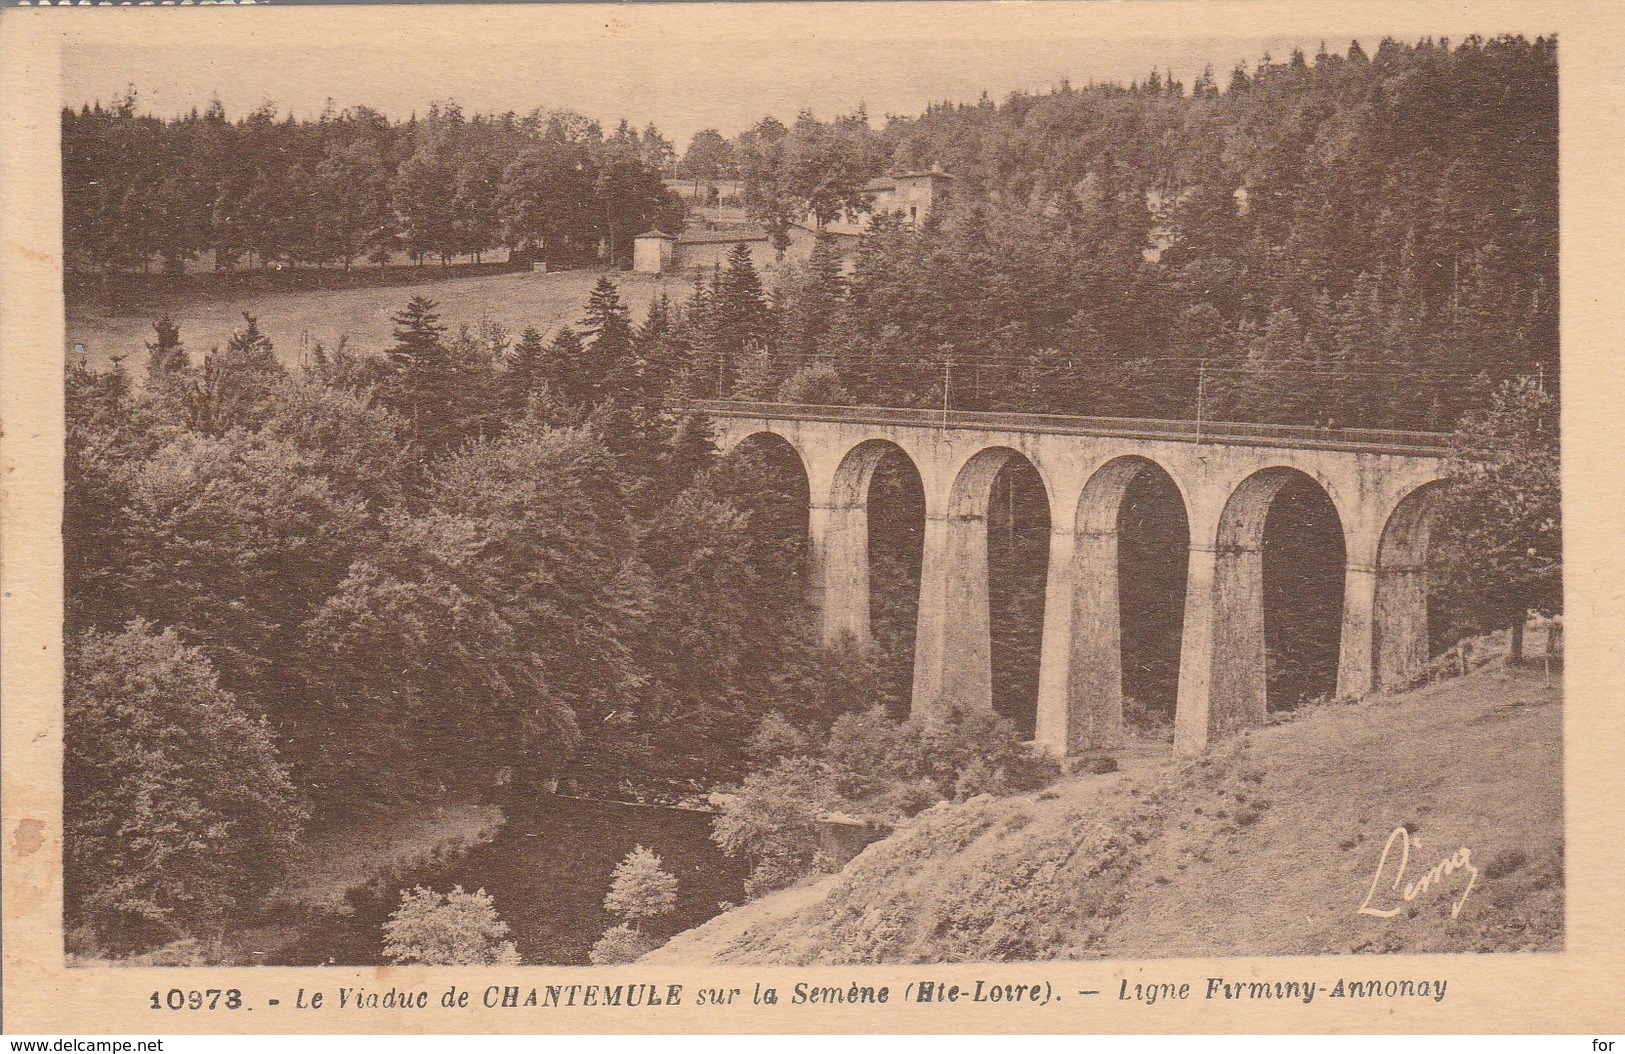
825 265
251 346
236 384
608 321
742 299
473 395
759 377
419 336
655 347
689 376
819 295
736 320
657 323
527 365
422 369
690 448
165 355
610 369
565 354
172 386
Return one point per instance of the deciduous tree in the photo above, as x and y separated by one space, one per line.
178 813
641 890
448 929
1499 528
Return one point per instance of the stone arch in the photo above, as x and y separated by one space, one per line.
953 657
1406 533
841 520
856 470
973 483
768 440
1400 626
731 441
1103 493
1227 689
743 443
1241 524
1095 684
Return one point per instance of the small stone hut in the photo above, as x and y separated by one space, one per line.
653 252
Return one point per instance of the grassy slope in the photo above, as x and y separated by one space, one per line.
1267 846
545 301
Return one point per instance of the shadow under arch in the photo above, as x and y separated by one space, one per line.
768 474
767 445
982 607
1131 552
1400 645
874 527
1277 604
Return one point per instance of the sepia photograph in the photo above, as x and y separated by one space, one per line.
685 487
1059 521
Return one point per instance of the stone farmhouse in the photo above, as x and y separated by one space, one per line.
914 196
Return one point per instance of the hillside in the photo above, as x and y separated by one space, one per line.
1266 847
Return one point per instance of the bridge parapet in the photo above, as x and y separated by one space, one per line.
1367 440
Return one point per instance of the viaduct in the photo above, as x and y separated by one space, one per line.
1380 483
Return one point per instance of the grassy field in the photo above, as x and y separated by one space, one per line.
545 301
1268 846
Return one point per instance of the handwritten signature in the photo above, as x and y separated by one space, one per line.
1460 860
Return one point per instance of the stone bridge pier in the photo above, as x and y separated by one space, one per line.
1381 486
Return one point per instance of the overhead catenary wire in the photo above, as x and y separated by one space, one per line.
1410 370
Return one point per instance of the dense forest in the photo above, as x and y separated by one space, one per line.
477 559
1344 239
400 578
140 190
